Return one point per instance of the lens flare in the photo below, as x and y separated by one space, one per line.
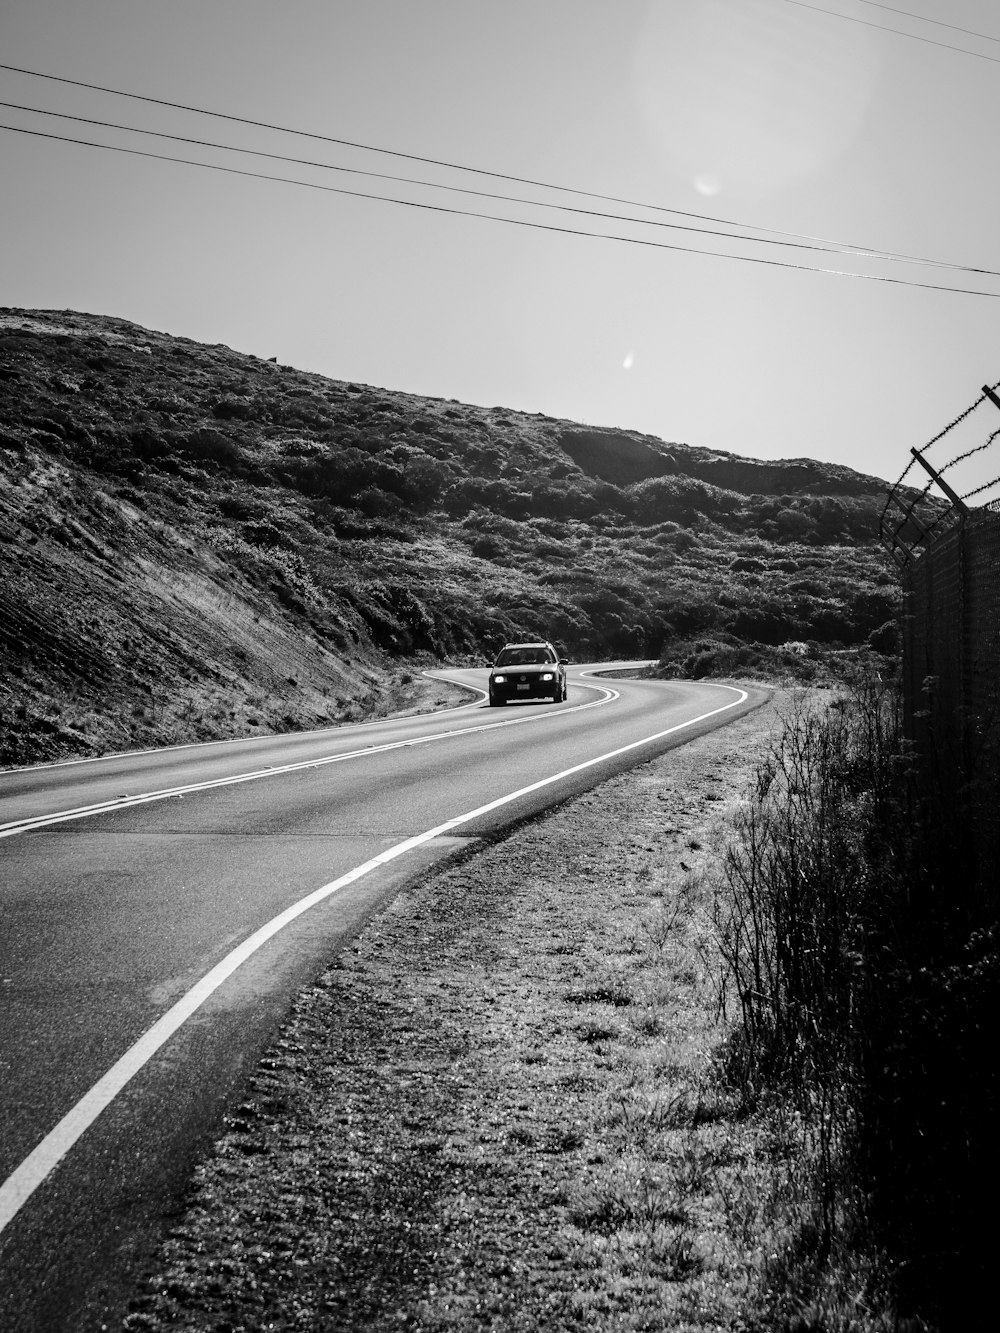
753 93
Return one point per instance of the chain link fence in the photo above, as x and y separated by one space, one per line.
951 646
949 558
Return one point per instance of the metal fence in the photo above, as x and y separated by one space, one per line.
951 647
949 555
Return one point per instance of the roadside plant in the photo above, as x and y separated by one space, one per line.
860 972
793 917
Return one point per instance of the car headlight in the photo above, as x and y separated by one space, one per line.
499 680
547 675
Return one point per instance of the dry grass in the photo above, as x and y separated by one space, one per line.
497 1109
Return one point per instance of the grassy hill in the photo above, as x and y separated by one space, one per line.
200 543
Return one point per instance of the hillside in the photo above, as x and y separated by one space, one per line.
200 543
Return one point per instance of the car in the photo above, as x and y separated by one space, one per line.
527 671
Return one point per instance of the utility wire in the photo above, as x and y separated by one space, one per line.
938 23
433 185
868 251
506 198
900 32
492 217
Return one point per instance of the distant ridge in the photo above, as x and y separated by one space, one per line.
202 542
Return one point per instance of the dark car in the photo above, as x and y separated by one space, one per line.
527 671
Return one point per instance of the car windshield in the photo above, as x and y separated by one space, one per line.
523 657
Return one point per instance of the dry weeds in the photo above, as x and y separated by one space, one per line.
495 1110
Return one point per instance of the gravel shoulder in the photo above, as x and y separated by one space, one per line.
495 1109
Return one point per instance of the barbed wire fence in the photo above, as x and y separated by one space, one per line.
944 534
913 514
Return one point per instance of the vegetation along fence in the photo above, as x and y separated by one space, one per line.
945 536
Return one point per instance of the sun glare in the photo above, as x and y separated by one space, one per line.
750 92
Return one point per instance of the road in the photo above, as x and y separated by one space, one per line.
159 910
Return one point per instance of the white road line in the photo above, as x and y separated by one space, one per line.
32 822
39 1164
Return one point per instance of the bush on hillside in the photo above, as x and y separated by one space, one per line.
207 444
249 460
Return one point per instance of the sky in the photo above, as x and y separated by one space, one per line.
767 118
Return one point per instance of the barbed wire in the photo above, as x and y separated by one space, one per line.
957 422
893 523
909 511
979 489
978 449
945 514
942 433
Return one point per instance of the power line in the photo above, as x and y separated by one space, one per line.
938 23
434 185
899 32
506 198
867 251
390 152
492 217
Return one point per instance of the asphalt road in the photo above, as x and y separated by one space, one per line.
159 910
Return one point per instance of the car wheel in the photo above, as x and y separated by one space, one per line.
495 702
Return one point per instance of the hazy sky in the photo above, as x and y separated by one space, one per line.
765 113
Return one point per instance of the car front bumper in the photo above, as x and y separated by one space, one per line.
525 685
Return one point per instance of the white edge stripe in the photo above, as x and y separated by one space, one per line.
39 1164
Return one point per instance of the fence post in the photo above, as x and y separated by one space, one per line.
956 500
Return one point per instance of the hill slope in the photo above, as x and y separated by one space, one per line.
200 543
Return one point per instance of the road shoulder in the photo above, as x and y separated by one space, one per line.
494 1109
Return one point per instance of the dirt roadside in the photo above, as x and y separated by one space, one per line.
494 1110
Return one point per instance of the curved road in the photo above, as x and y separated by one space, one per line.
158 910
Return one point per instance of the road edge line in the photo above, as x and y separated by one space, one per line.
35 1169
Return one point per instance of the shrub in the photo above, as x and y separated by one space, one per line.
206 443
149 444
794 525
233 409
376 503
266 534
344 473
792 919
862 965
423 480
488 547
885 639
767 622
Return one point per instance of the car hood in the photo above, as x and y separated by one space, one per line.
533 670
